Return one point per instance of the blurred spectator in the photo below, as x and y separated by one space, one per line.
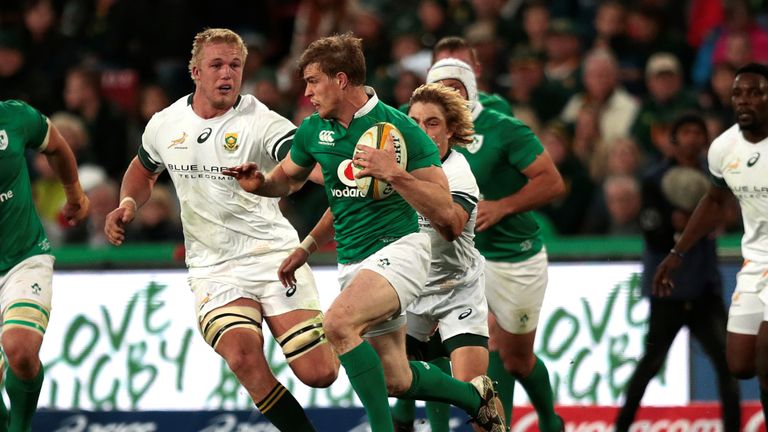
618 157
616 109
670 192
666 99
107 127
647 34
49 198
17 81
75 133
586 134
536 19
158 220
152 99
616 209
316 19
489 52
740 36
48 52
610 27
563 53
529 88
566 213
406 83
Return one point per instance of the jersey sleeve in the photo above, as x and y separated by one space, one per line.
522 146
34 123
278 134
464 189
300 146
714 159
148 155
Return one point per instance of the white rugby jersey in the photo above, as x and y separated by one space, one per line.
221 221
742 166
456 261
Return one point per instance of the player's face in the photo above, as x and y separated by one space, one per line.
749 95
431 119
323 91
455 84
219 74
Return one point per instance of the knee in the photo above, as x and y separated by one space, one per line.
338 327
518 365
22 358
741 370
397 385
320 375
241 362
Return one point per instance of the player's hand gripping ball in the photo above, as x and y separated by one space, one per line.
378 136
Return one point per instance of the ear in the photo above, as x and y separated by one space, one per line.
341 80
195 72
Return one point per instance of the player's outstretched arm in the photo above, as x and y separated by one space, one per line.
321 234
544 185
134 192
286 178
705 218
62 161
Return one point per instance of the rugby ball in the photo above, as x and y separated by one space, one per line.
378 136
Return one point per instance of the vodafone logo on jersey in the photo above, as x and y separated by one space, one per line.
347 178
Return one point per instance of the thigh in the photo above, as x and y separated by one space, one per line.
254 278
515 292
235 342
665 320
367 303
707 322
25 300
302 339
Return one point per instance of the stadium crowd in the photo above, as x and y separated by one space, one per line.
599 81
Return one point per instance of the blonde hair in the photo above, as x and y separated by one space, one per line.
211 36
458 118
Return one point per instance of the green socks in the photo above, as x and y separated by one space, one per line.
284 411
506 383
432 384
439 413
366 375
23 396
539 390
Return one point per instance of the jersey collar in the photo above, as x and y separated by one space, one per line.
192 95
373 100
476 110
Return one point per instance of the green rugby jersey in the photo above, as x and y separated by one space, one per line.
363 225
503 147
21 232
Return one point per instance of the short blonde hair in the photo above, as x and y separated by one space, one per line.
458 118
211 36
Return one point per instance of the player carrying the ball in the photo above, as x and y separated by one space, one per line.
383 258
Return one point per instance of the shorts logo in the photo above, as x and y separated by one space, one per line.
753 160
204 135
383 263
36 288
524 319
465 314
290 291
3 139
325 137
230 141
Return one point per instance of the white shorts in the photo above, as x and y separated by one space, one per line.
252 277
748 303
404 264
515 292
30 279
461 310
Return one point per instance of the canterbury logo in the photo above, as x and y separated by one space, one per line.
325 137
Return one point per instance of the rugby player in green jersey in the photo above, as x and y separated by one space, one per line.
383 258
515 175
26 262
